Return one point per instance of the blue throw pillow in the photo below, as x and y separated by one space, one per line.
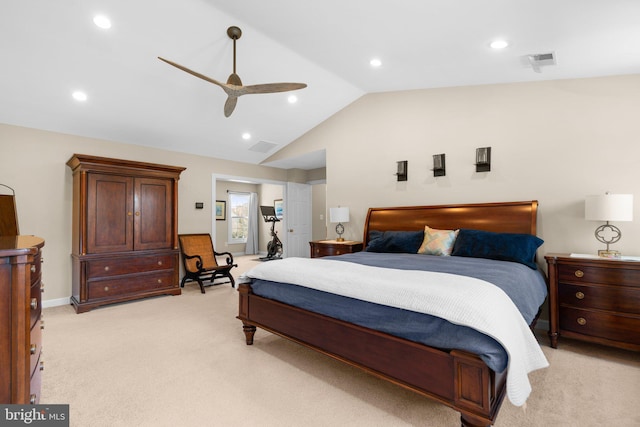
395 241
501 246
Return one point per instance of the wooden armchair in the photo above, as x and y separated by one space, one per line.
199 260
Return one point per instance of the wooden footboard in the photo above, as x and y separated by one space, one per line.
455 378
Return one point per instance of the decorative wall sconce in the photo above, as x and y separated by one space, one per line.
483 159
438 165
402 170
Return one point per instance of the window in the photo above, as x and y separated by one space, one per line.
238 217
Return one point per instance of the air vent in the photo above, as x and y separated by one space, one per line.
542 60
263 147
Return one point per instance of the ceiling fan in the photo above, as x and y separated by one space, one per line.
234 87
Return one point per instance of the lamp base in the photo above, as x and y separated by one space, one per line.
605 253
340 239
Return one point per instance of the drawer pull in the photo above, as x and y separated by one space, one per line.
579 273
32 399
579 295
32 349
106 268
34 303
33 268
159 262
581 321
106 289
160 281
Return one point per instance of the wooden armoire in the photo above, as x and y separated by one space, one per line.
125 230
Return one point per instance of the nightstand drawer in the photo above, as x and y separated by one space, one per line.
601 324
583 273
615 298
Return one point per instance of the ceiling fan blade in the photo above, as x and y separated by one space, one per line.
230 105
271 88
193 73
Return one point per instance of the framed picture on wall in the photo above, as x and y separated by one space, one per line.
221 210
279 207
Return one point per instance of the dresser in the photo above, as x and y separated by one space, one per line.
594 299
321 248
124 230
20 319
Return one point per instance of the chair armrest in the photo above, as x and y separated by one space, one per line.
198 262
228 254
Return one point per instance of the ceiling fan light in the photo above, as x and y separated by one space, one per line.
499 44
375 62
102 21
292 99
78 95
246 136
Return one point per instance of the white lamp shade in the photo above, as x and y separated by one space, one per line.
609 207
339 214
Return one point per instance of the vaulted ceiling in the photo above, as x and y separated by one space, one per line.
49 49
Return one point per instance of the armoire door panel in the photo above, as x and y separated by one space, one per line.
153 214
109 213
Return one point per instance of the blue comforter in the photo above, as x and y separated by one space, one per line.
525 287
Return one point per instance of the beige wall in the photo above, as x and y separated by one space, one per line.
33 163
554 141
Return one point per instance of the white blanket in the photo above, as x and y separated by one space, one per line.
459 299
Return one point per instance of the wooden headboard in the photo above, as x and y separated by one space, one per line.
507 217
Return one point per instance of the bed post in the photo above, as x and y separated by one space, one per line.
244 289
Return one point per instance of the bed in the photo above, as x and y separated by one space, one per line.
468 379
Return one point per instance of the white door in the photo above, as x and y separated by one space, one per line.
297 220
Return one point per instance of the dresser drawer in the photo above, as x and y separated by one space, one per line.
35 384
602 297
35 347
119 266
36 268
601 324
132 284
583 273
35 300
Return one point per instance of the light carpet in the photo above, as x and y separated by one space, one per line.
182 360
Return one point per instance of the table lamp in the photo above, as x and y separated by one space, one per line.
609 207
339 215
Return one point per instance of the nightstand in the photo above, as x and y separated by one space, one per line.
320 248
594 299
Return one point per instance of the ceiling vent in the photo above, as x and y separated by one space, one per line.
263 147
541 60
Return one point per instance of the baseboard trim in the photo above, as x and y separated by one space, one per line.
56 302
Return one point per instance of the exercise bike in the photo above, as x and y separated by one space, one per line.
274 247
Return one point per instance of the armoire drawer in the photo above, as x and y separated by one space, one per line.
129 265
601 324
602 297
130 284
583 273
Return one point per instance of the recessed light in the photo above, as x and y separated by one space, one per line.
292 99
375 62
499 44
78 95
246 136
102 21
